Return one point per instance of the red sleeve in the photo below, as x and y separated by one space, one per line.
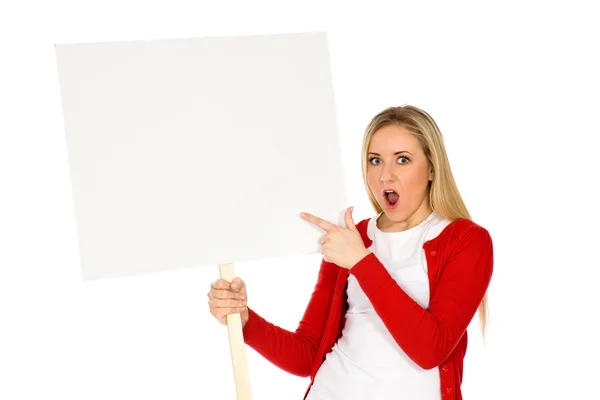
429 336
294 352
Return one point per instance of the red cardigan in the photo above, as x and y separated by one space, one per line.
460 264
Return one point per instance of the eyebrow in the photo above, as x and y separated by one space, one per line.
396 153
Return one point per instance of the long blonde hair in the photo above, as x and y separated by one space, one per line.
444 196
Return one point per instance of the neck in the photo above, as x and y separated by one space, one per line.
385 224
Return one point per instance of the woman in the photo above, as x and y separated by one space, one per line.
395 293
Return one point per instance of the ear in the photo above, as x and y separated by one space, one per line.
431 173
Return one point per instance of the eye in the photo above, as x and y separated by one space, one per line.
403 158
372 160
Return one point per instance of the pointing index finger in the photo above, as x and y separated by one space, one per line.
321 223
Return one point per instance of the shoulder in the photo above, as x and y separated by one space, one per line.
362 225
363 228
465 235
464 228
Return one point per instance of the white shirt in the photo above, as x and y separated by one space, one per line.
366 362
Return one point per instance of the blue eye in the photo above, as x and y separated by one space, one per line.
373 159
406 158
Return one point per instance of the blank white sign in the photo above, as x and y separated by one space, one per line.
195 152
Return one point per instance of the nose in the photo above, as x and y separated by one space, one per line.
387 175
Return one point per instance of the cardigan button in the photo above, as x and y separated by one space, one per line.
433 253
448 390
445 368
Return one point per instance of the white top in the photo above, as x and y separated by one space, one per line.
366 362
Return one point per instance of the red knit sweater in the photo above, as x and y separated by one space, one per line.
460 264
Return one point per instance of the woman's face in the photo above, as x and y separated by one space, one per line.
398 174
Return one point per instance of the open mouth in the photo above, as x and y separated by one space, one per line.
391 197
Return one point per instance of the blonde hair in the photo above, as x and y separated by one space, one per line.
444 196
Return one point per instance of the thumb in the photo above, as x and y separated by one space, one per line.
237 284
349 220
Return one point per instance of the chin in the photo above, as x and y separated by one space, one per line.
394 214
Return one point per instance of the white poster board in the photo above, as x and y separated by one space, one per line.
198 152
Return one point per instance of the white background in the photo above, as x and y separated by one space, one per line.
514 88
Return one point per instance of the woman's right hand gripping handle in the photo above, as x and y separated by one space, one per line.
226 298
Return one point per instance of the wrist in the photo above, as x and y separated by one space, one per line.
245 315
361 257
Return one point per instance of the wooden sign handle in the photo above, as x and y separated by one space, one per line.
236 344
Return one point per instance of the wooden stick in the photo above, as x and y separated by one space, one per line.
236 344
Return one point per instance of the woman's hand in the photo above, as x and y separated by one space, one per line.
341 246
226 298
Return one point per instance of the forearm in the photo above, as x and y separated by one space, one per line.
416 331
293 352
428 336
